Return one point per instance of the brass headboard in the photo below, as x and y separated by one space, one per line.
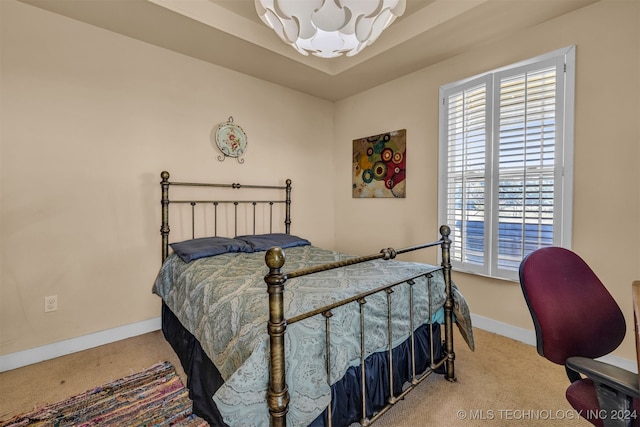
165 184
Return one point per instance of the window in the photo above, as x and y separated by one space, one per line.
506 152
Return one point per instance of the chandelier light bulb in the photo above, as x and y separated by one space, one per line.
329 28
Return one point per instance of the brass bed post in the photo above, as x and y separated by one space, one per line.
164 228
445 231
278 393
287 220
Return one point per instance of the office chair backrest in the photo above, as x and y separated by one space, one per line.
572 311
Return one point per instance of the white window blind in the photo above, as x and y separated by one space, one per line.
505 175
467 133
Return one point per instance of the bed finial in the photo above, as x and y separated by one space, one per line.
164 175
274 258
445 231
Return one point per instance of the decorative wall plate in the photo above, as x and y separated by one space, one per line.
231 140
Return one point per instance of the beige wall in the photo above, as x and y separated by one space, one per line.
607 139
89 120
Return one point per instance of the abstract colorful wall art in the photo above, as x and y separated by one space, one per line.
379 165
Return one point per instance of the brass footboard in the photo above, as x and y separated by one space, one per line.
278 395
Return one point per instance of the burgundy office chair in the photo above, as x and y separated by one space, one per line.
576 320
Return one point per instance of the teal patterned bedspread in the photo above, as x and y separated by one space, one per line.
223 302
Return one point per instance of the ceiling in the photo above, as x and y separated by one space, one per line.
230 34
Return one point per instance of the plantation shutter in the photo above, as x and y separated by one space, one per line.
466 158
526 160
506 146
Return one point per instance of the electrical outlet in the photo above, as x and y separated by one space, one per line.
50 303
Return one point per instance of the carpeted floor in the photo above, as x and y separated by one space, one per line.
152 397
27 388
504 382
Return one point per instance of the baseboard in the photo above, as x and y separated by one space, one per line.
61 348
73 345
515 333
529 337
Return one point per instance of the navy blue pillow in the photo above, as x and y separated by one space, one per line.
208 246
262 242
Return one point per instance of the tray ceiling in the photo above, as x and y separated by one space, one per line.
229 33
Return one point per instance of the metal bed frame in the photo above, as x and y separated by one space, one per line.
278 395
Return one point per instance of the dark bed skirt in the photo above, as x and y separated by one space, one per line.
203 378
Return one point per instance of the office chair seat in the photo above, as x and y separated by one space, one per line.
582 397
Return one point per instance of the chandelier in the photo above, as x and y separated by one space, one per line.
329 28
